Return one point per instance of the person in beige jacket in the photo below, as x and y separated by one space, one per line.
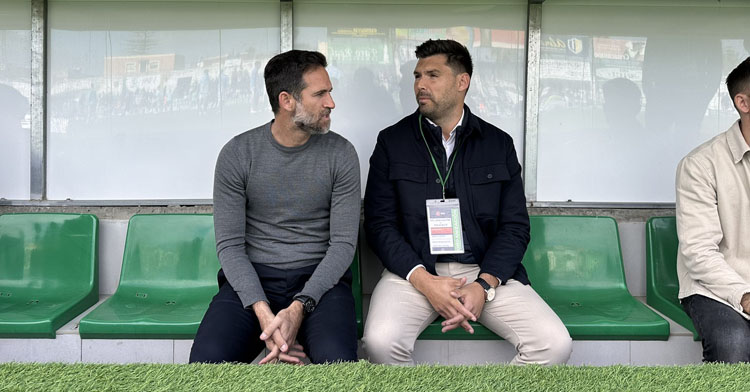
713 226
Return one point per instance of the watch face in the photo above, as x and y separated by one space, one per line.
309 305
490 294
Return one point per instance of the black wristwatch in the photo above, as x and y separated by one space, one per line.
488 290
308 304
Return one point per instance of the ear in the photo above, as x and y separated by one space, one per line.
464 80
287 101
742 102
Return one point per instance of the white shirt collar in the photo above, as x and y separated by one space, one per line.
453 131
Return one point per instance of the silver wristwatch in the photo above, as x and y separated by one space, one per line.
488 290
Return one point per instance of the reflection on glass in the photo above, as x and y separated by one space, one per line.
15 90
621 102
370 51
144 94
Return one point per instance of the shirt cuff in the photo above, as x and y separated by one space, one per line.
412 271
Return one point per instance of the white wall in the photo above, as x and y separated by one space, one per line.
15 90
629 88
142 95
370 49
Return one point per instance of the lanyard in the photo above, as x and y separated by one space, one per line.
440 177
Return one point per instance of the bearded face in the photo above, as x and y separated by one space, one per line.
312 112
313 123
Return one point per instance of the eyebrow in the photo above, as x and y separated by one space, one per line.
431 70
321 91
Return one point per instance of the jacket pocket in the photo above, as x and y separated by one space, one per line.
404 172
486 185
488 174
410 183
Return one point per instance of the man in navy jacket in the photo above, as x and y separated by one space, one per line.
446 213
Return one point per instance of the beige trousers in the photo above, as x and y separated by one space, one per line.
399 313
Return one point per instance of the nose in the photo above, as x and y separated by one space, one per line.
418 85
329 104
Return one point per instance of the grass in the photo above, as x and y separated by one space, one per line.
364 376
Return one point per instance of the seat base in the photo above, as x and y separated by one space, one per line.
622 319
674 311
39 317
126 318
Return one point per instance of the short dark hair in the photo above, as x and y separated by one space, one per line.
738 81
458 56
284 72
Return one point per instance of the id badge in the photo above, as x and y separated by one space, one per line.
444 227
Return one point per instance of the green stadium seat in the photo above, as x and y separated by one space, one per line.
48 272
661 271
575 264
357 292
167 281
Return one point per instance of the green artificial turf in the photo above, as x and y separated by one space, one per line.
363 376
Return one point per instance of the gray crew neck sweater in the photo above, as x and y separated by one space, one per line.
285 207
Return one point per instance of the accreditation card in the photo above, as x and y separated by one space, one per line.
444 226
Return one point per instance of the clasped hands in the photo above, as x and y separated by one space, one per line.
452 298
745 303
280 333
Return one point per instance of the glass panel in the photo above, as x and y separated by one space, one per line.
142 95
15 93
370 51
627 90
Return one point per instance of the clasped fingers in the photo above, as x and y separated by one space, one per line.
294 356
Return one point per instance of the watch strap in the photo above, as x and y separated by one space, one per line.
486 286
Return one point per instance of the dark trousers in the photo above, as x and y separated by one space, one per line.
231 333
725 333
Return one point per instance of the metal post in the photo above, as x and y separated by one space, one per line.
287 25
533 51
38 174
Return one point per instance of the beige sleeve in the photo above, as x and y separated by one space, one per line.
700 233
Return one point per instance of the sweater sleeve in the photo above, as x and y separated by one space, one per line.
344 225
229 226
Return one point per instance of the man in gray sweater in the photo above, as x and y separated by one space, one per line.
286 215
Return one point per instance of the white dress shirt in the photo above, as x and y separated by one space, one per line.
449 145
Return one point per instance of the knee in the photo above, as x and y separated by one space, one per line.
731 346
560 349
335 351
384 346
210 348
206 353
552 346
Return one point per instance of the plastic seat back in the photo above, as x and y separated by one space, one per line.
357 290
575 264
167 280
169 252
48 271
662 285
577 255
661 258
48 255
